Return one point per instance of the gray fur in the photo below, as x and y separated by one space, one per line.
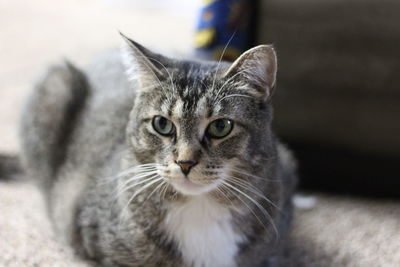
82 129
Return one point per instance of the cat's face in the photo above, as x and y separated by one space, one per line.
201 123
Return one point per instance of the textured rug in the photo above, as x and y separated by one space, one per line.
336 231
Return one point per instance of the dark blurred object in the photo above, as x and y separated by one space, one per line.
9 167
338 100
345 172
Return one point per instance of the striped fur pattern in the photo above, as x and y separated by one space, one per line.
119 193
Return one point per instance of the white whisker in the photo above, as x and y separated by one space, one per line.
155 189
224 195
251 188
249 208
169 74
126 188
266 214
226 83
164 191
234 95
139 176
134 169
155 75
240 171
155 180
220 58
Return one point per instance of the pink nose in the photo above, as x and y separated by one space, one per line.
186 165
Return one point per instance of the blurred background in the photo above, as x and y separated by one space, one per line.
34 34
337 101
337 104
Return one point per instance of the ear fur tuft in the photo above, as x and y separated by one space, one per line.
141 64
258 67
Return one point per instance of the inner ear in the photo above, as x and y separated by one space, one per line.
142 64
256 67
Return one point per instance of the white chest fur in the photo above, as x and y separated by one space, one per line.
204 232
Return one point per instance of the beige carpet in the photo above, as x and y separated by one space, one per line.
338 231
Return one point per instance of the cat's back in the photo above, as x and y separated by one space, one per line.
100 135
102 126
73 128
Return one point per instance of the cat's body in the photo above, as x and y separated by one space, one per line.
82 130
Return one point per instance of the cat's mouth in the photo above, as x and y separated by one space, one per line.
188 187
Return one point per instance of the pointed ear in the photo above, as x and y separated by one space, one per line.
257 68
143 65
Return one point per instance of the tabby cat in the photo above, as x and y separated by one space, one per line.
147 160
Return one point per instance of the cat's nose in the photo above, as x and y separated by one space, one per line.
186 165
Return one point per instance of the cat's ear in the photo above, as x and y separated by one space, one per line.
257 68
142 64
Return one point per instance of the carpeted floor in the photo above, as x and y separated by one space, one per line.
337 231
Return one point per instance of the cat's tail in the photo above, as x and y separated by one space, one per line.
10 167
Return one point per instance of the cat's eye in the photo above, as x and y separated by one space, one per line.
219 128
163 126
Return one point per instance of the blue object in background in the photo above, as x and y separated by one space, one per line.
224 23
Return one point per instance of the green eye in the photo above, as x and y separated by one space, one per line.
163 126
219 128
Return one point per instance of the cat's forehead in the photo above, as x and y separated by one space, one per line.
199 73
182 108
190 91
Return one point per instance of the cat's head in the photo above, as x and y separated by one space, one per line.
197 124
